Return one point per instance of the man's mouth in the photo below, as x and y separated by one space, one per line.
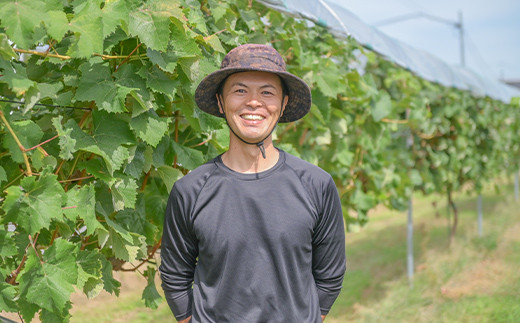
252 117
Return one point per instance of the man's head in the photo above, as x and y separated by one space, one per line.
255 57
253 102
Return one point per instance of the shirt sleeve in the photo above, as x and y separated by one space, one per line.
328 254
178 256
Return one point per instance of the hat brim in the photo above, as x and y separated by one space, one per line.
298 105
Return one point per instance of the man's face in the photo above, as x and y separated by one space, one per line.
252 102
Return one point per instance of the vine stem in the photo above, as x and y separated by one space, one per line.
202 143
76 179
128 57
65 57
33 244
15 273
40 144
145 181
22 148
176 136
150 256
14 180
54 234
218 32
386 120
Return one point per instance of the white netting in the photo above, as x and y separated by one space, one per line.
344 23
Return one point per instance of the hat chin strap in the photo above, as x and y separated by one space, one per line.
259 144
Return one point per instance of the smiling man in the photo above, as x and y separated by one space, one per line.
256 234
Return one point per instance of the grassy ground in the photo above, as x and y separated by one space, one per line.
475 279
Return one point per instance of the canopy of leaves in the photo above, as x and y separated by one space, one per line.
106 123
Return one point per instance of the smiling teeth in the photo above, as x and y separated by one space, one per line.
252 117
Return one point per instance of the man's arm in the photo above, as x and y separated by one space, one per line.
323 318
186 320
179 253
328 254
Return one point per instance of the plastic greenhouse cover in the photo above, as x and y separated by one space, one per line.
343 23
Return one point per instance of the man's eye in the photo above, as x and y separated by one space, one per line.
267 93
240 91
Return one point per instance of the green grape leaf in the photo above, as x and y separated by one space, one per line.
56 23
124 193
137 160
89 268
98 168
151 297
27 309
322 104
183 45
7 245
215 43
7 296
189 158
20 19
29 134
151 23
415 177
66 142
169 175
110 284
167 60
62 316
133 219
191 68
50 283
87 26
150 127
108 139
115 13
96 84
15 75
81 204
93 287
159 82
6 51
327 80
123 249
35 203
382 107
3 175
363 201
163 154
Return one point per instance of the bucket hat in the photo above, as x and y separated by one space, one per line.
255 57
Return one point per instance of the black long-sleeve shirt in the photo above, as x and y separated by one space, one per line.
264 247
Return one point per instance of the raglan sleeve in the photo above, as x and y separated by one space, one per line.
179 253
328 254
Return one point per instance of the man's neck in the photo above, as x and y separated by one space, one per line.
244 158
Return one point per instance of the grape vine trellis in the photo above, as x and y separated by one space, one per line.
107 124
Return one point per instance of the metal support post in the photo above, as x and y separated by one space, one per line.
479 208
409 258
516 186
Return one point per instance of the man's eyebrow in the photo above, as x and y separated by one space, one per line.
244 85
238 84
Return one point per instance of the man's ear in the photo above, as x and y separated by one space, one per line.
284 104
220 107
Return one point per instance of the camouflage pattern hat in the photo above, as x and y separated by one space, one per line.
255 57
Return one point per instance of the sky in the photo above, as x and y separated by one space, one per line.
491 30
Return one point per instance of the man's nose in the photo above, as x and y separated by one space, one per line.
254 102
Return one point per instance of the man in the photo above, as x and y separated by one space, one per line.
256 234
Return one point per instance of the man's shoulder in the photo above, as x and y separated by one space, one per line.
306 169
197 177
